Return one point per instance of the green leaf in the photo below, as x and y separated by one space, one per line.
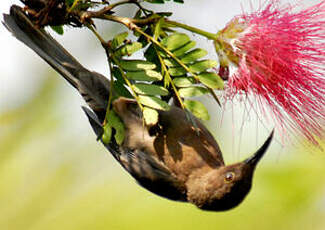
150 116
147 89
58 29
165 14
184 81
120 130
196 67
118 75
212 80
113 121
194 55
142 39
151 55
180 51
128 49
136 65
171 63
177 71
175 41
201 66
155 1
121 90
138 14
146 75
193 91
153 102
158 28
69 2
197 108
119 39
107 135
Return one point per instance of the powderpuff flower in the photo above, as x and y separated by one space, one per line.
279 57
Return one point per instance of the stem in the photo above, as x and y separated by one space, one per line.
104 10
215 97
129 22
141 8
171 81
206 34
74 4
102 41
151 19
122 20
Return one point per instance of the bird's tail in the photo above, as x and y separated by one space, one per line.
93 87
44 45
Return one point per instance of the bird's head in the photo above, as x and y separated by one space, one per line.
227 186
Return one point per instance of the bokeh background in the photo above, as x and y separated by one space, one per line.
54 175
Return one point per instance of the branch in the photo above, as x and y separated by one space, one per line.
206 34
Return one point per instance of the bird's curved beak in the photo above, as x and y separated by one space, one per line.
253 160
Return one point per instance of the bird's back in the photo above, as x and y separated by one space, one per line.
178 143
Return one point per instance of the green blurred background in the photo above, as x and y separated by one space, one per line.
54 175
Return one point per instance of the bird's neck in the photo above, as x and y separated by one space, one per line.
201 186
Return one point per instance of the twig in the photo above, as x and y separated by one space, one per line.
170 80
206 34
104 10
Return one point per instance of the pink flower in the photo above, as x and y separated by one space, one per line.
279 55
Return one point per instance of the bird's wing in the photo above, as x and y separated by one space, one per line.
176 141
148 172
152 174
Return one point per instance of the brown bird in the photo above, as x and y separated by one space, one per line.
176 160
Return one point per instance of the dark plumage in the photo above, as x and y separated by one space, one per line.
177 160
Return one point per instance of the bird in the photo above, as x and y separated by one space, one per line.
179 159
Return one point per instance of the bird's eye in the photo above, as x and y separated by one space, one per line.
230 176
